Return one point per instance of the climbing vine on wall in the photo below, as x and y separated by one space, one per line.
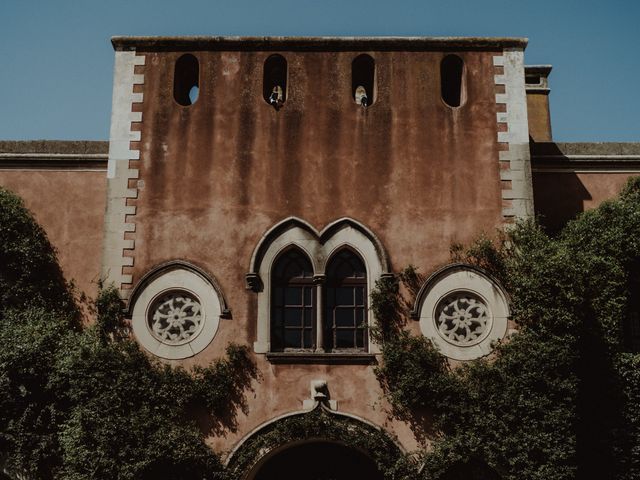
559 400
322 424
85 402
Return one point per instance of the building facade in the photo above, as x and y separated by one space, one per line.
253 190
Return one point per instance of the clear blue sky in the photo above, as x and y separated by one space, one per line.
57 61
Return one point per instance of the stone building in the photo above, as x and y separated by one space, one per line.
253 190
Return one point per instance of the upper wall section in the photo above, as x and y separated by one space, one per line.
201 175
63 183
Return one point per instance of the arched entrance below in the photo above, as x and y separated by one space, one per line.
319 444
318 460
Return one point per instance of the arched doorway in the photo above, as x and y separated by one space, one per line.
318 444
318 460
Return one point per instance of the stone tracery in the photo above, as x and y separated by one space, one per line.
462 318
175 317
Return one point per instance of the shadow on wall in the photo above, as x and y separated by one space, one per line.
558 196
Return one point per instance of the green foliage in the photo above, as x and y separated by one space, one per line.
88 403
559 400
29 271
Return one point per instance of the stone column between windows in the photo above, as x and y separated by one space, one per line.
318 280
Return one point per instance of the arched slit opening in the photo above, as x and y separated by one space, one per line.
363 80
274 85
452 85
186 80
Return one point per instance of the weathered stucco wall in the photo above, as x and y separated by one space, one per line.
216 175
64 185
539 117
569 178
560 197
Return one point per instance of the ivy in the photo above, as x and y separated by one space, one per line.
559 400
319 423
87 403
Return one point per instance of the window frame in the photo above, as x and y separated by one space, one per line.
331 285
462 278
176 276
319 246
296 282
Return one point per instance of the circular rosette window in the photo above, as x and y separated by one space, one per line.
462 318
175 317
463 312
176 313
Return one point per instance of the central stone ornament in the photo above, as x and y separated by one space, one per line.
174 318
462 318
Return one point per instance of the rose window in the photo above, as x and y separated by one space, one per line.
462 318
175 317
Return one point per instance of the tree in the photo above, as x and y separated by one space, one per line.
87 403
559 400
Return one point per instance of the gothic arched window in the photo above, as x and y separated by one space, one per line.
293 307
346 303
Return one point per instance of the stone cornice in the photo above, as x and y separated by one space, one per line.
316 43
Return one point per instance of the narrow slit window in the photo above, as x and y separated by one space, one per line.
186 80
274 86
363 80
452 80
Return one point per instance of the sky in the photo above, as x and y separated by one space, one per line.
57 60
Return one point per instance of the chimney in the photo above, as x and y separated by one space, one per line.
536 79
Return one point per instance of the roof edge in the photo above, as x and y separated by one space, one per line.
315 43
55 147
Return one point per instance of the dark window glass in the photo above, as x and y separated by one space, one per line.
274 84
363 80
346 293
293 303
186 80
452 81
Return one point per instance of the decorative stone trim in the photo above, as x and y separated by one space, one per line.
305 358
119 240
186 326
54 161
319 246
551 157
513 135
260 444
462 311
165 267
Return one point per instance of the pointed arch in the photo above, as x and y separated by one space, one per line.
293 302
319 246
290 226
346 296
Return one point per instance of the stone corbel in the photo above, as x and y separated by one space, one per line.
253 282
319 396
